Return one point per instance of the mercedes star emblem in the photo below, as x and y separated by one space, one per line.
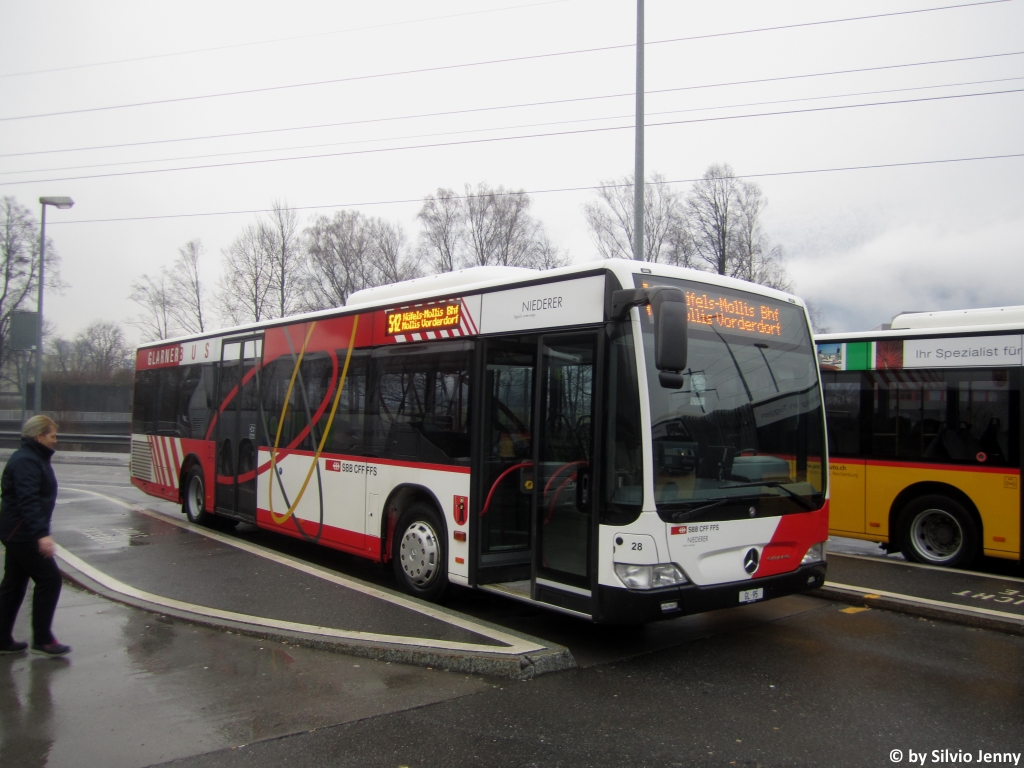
750 561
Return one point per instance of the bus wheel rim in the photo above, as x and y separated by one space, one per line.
937 535
195 497
419 552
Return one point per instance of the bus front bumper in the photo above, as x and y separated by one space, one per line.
625 606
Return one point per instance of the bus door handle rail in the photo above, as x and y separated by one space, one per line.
494 485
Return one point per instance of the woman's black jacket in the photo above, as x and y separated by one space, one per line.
29 490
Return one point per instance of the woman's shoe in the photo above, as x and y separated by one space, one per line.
13 647
51 649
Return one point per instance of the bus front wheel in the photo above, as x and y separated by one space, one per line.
936 530
194 497
419 553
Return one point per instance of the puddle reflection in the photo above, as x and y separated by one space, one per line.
26 710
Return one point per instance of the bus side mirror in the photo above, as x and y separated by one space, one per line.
668 305
668 310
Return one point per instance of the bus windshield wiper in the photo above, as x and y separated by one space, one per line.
803 501
686 514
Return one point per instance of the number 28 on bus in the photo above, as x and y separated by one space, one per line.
618 442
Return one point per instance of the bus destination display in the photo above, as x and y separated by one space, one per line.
737 315
436 317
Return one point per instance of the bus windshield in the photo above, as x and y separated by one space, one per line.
744 435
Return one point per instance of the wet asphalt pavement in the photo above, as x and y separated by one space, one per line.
796 681
822 688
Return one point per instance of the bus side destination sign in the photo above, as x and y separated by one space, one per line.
435 317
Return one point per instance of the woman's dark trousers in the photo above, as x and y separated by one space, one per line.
23 562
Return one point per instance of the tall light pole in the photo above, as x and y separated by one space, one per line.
638 166
56 202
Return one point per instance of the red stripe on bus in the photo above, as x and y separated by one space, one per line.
793 536
155 489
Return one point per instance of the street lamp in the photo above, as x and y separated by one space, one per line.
56 202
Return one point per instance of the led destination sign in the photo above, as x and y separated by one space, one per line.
436 317
733 314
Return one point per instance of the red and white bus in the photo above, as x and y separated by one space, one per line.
620 441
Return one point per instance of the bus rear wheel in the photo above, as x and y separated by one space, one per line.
419 553
194 498
936 530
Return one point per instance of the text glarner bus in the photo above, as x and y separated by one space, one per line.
924 425
619 442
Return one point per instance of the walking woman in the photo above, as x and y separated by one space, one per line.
29 492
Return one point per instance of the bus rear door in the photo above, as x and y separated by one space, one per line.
238 428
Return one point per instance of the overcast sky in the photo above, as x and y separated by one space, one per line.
862 244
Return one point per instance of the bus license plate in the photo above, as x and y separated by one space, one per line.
751 595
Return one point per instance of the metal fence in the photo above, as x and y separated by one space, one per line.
72 441
73 416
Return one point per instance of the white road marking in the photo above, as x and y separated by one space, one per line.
927 601
941 568
513 645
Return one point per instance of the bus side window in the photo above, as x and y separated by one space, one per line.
144 405
346 435
985 408
954 416
420 404
167 404
193 401
288 415
843 411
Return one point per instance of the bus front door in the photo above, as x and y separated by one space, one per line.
563 492
238 428
505 493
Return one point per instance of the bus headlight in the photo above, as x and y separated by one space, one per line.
650 576
816 554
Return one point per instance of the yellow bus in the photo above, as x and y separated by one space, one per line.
924 425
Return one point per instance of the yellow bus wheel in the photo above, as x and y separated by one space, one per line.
936 530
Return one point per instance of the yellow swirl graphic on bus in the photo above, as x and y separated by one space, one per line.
280 519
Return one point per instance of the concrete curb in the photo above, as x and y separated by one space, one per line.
552 658
908 604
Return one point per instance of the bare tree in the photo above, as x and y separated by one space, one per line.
814 312
547 255
282 243
188 294
19 265
443 218
610 218
518 233
337 259
98 353
500 229
63 358
172 301
714 208
153 294
756 260
247 278
481 224
389 253
263 269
